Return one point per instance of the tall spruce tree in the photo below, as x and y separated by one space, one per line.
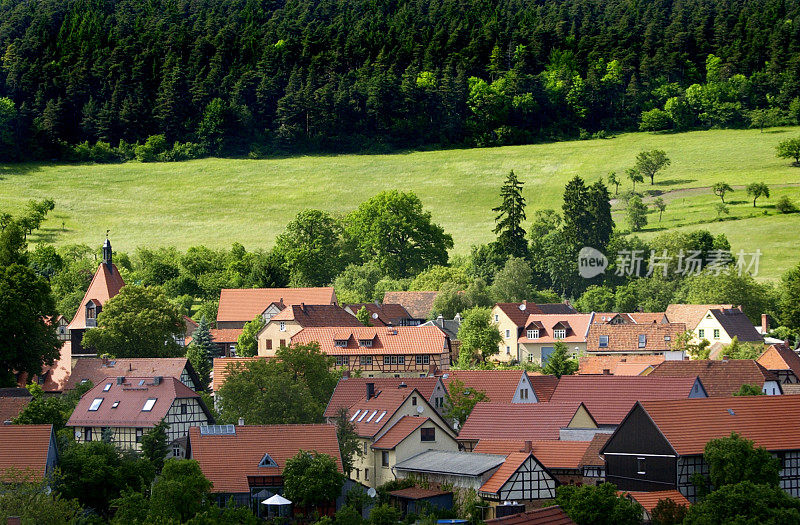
201 351
577 220
599 207
510 215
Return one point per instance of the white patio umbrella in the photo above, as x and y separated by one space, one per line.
277 499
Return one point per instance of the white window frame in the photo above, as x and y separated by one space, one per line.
533 334
642 340
149 404
602 341
96 404
282 326
560 333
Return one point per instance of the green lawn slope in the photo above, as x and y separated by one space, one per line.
218 201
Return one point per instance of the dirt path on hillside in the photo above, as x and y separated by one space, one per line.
689 192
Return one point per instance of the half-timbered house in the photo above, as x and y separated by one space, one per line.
782 362
278 331
238 306
399 351
350 390
95 369
659 445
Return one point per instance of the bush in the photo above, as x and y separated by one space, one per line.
126 151
102 152
785 205
655 120
153 147
188 151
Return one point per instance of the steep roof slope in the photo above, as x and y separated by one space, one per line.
720 378
24 447
523 421
349 390
244 304
418 304
105 284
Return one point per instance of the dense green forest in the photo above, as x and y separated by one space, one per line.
255 77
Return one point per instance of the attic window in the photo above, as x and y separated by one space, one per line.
371 416
560 333
148 405
642 340
141 382
380 417
364 413
95 404
603 341
267 461
107 387
355 415
667 338
533 334
115 405
341 343
283 326
365 342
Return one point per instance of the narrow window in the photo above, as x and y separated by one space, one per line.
701 333
385 458
523 393
139 432
496 318
716 333
508 334
640 466
269 344
184 408
366 474
413 400
283 327
87 433
642 340
603 341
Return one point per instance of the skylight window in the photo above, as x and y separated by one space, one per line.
141 383
107 387
148 405
115 405
380 417
355 415
362 415
95 404
371 416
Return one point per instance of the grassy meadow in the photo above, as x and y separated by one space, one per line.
218 201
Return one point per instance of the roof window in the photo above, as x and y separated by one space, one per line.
603 341
267 461
141 382
380 417
107 387
355 415
115 405
642 340
371 416
364 413
148 405
95 404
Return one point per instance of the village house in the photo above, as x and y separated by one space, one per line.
510 319
394 424
399 351
630 318
527 422
386 314
659 445
96 369
226 340
782 362
722 378
501 386
619 365
281 327
126 407
716 323
450 327
246 462
635 339
564 459
28 453
649 500
12 402
609 398
553 515
350 389
542 331
238 306
419 305
497 478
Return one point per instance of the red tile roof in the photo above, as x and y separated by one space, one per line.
97 369
522 421
592 457
399 340
624 338
418 304
690 314
225 335
105 284
501 476
778 357
372 415
575 324
132 397
649 500
12 402
244 304
519 314
399 431
228 460
689 424
221 369
24 447
316 315
416 493
499 385
649 317
609 398
387 313
553 454
543 385
351 389
545 516
720 378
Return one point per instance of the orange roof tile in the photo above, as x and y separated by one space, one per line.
534 421
97 369
720 378
610 398
778 357
553 454
12 402
372 415
417 493
649 317
244 304
132 397
25 448
649 500
399 340
501 476
499 385
105 284
351 389
418 304
312 315
596 364
592 457
689 424
387 314
221 369
545 516
225 335
543 385
576 325
228 460
624 338
690 314
399 431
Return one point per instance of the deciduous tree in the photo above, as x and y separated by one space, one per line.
312 479
637 213
720 189
180 492
649 163
460 400
598 505
247 344
312 247
789 149
756 190
477 334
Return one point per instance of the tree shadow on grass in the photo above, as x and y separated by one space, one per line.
672 182
734 203
24 168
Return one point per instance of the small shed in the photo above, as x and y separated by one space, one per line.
415 500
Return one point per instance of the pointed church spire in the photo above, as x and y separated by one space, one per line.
107 253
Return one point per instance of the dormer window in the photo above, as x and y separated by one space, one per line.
603 341
365 342
560 333
267 461
533 334
340 343
642 340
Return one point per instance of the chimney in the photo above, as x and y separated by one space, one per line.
440 320
432 370
370 391
764 324
241 421
157 380
105 360
606 371
303 307
528 446
686 358
120 380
